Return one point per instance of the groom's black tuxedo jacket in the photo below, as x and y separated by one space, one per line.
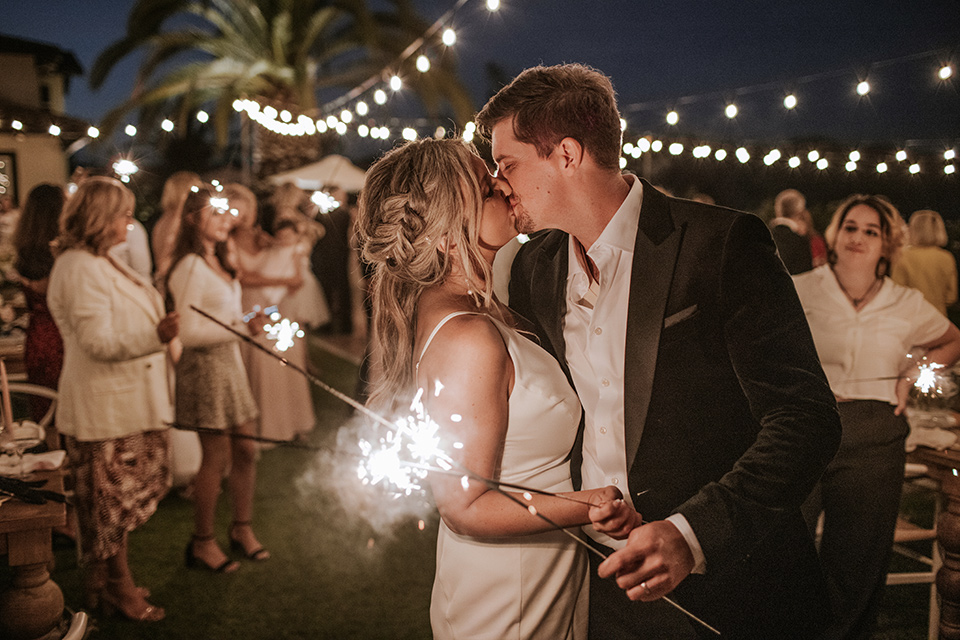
729 417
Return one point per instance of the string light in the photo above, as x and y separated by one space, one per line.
855 156
822 164
914 168
851 166
423 63
93 132
742 155
949 154
493 5
813 156
54 130
863 88
949 169
882 167
790 101
17 125
643 144
380 96
656 146
945 72
449 37
720 155
675 149
167 125
673 118
203 116
130 130
396 83
362 108
901 155
793 162
409 133
731 111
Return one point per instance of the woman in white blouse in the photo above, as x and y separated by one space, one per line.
212 393
864 324
114 403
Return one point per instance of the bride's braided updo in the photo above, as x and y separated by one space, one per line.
417 202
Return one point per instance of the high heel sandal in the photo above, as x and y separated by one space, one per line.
259 554
193 562
145 612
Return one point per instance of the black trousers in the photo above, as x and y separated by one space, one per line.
859 495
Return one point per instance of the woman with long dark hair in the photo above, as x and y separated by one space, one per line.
212 390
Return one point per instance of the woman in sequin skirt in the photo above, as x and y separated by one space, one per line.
114 398
212 394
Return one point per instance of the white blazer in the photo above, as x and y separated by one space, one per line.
114 379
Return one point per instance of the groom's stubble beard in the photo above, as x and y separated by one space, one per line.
524 222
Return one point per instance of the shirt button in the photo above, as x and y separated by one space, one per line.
604 382
615 481
603 430
598 331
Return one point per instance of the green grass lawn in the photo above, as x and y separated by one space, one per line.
331 575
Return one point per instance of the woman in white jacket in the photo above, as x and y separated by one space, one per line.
213 394
114 404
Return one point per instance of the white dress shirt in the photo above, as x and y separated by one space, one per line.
595 347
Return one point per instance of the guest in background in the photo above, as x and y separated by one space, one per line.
789 231
212 391
330 261
43 346
864 324
925 264
273 271
818 246
114 402
164 235
135 251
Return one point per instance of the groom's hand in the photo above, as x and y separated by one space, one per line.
615 518
655 560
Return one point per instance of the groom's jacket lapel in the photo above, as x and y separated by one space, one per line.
654 259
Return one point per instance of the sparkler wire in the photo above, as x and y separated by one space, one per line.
493 484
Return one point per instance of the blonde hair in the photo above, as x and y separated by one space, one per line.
789 203
927 229
175 191
91 212
417 201
236 194
891 229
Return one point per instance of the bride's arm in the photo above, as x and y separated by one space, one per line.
469 359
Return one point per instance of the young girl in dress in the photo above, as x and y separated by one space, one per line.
212 391
431 220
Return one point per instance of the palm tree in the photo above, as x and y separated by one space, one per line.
280 52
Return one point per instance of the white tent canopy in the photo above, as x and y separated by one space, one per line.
332 170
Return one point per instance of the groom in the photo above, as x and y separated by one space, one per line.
703 396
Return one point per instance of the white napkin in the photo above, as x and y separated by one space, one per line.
934 438
47 461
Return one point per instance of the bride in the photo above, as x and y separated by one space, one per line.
431 220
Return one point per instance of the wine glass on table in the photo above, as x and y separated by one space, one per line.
18 437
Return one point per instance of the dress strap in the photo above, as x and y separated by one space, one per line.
437 328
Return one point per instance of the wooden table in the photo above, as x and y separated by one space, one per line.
33 604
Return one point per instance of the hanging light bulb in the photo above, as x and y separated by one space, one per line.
855 156
673 118
731 111
793 162
362 108
167 125
742 155
790 101
720 155
396 83
822 164
914 168
93 132
851 166
493 5
130 130
863 87
423 63
901 155
449 37
409 133
203 116
946 71
380 96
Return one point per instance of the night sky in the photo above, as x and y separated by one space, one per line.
654 51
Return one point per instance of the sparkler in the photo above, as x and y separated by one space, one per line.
385 463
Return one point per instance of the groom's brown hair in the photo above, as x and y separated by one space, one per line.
549 104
